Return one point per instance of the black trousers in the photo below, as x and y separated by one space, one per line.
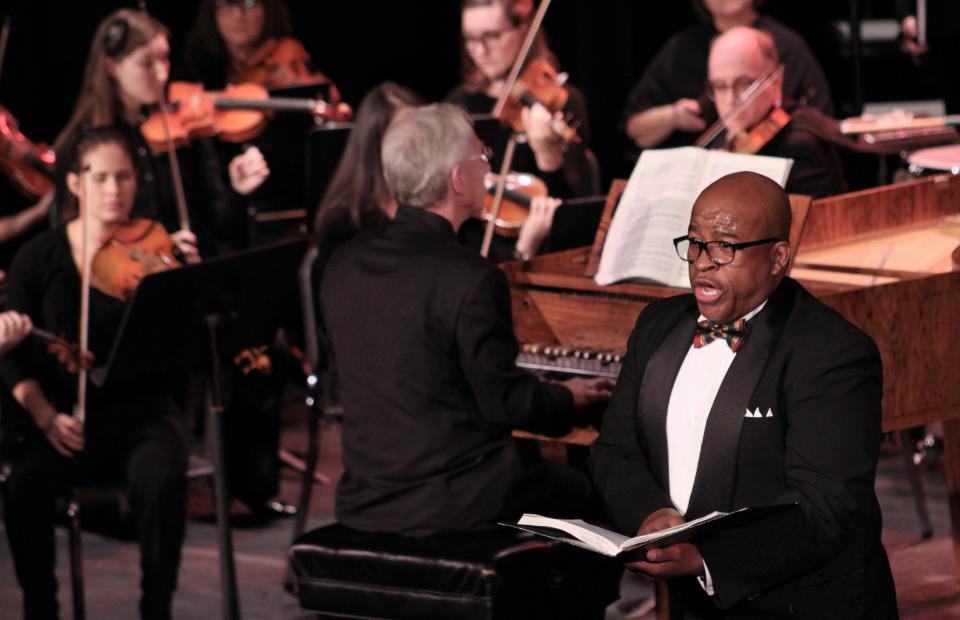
141 443
251 426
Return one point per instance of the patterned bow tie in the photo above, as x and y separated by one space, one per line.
735 334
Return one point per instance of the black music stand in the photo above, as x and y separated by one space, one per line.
575 223
325 146
235 297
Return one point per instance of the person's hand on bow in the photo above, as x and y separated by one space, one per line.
548 147
186 243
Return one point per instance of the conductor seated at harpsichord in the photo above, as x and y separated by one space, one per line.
425 352
750 392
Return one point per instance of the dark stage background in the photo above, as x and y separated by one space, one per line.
604 45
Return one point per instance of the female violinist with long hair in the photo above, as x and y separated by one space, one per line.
357 200
134 432
126 71
493 34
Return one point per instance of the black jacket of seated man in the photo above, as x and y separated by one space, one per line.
816 170
821 380
425 354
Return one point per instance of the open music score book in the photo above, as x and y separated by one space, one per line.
655 209
600 540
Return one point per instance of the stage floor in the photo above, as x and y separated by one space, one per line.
927 586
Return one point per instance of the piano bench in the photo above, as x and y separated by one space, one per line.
344 573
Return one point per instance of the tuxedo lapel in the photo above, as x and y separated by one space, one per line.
654 396
717 468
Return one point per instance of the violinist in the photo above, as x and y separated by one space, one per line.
493 34
250 41
768 125
126 71
236 41
133 433
668 106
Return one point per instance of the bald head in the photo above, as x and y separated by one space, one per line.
738 57
746 41
767 203
751 213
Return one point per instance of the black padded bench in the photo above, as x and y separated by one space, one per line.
343 573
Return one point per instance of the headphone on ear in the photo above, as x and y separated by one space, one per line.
115 40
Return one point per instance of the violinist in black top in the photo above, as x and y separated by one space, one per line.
744 64
126 71
493 34
133 433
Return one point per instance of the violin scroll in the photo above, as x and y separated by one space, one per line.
69 356
540 83
66 353
29 165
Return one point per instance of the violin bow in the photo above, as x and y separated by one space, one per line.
80 407
758 87
512 78
4 38
181 199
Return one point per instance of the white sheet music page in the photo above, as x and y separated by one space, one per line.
655 208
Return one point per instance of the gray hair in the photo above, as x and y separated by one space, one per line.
420 149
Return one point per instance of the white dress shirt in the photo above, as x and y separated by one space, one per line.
691 399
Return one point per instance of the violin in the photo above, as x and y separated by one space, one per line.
237 114
28 165
539 83
67 353
519 190
282 63
129 253
748 142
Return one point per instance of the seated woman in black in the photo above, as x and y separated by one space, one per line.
133 433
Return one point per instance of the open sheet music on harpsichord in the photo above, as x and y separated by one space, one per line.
655 209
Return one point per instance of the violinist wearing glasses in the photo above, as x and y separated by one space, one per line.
745 81
493 34
668 107
550 115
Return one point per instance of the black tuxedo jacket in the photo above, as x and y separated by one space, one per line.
425 352
816 382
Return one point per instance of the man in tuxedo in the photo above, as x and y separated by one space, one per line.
425 353
769 397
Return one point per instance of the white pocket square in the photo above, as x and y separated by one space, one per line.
756 413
